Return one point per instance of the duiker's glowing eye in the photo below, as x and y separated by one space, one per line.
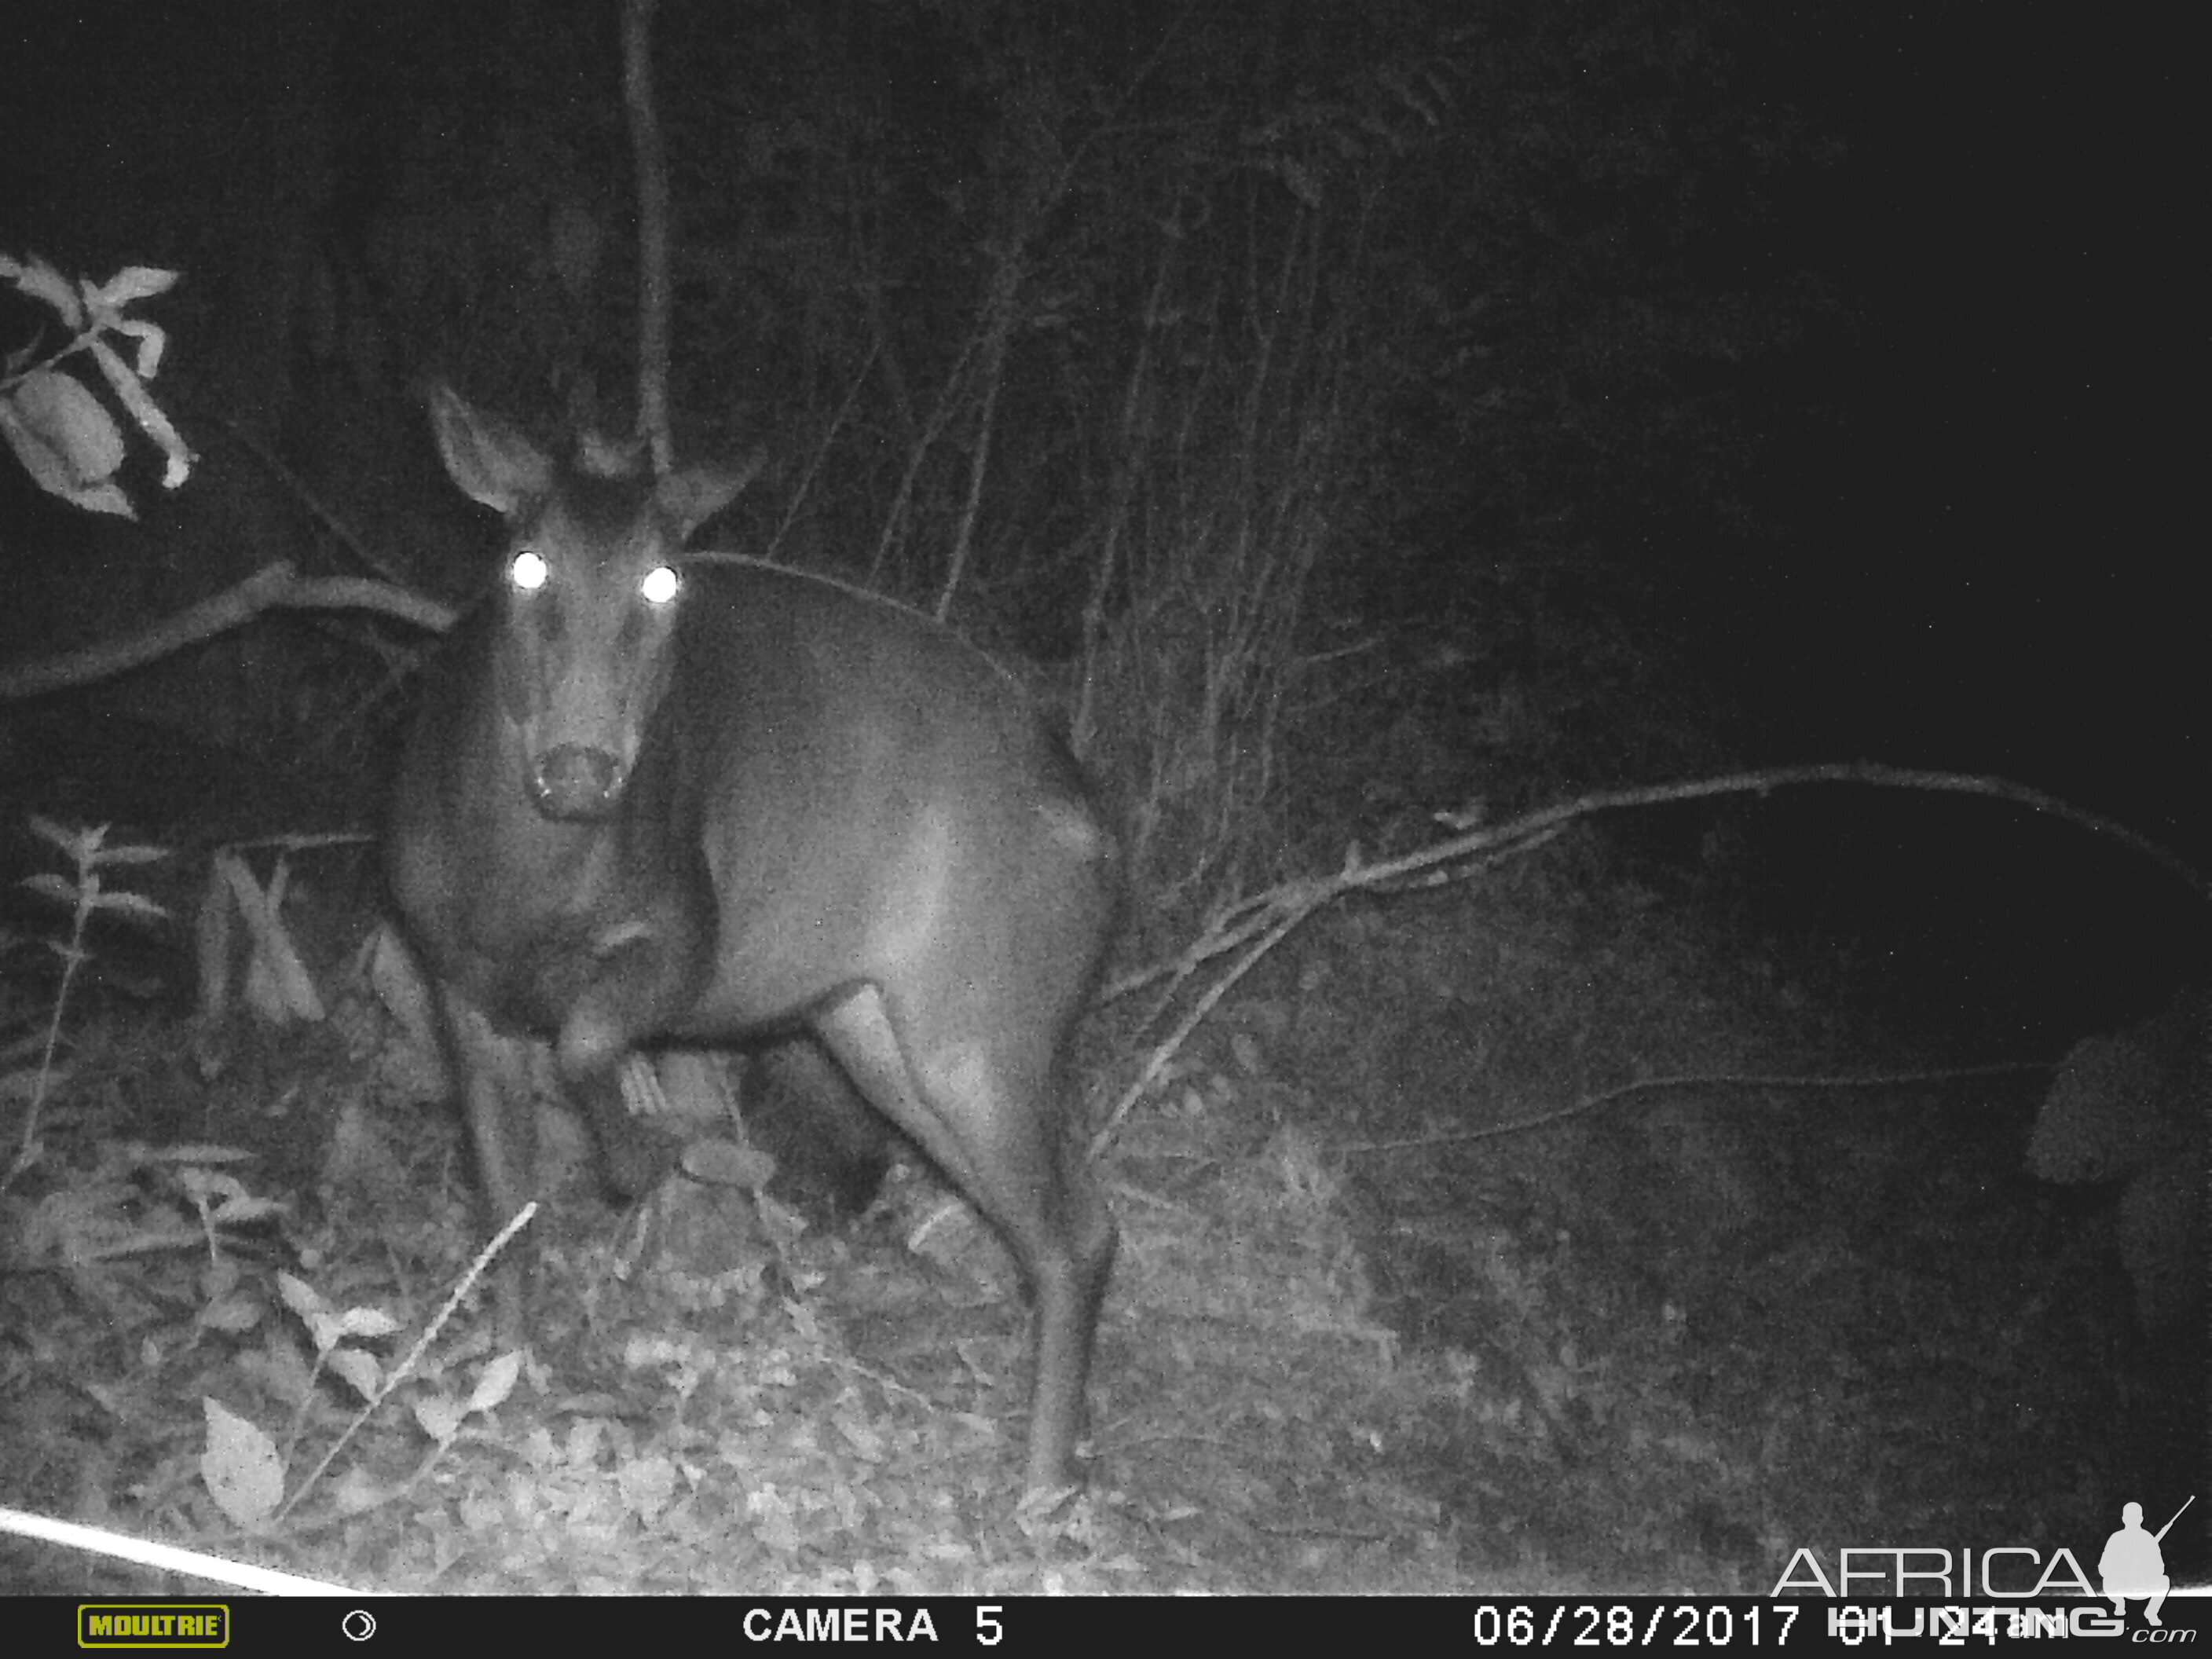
528 571
659 585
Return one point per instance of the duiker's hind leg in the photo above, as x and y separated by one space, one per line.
988 1116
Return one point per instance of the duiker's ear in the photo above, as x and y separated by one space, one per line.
491 462
697 494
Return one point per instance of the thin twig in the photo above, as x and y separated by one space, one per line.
405 1368
1699 1080
317 508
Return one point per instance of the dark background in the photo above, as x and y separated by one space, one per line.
1584 394
1855 339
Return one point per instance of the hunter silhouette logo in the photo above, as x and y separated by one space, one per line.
2131 1568
2132 1564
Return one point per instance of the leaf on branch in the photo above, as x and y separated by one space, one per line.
131 390
130 853
46 885
496 1382
66 441
74 841
135 906
153 342
132 283
358 1369
278 987
35 277
241 1466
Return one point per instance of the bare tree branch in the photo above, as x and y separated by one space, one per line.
1271 917
275 588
